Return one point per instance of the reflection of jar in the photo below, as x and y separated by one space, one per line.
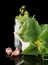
16 29
29 60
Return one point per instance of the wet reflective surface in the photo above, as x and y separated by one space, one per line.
28 60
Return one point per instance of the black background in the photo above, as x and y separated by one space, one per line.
8 11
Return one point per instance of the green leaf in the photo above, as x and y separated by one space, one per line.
31 50
44 51
33 30
44 34
43 26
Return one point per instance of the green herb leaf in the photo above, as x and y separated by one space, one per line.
31 50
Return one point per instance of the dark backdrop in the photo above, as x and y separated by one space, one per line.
8 11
